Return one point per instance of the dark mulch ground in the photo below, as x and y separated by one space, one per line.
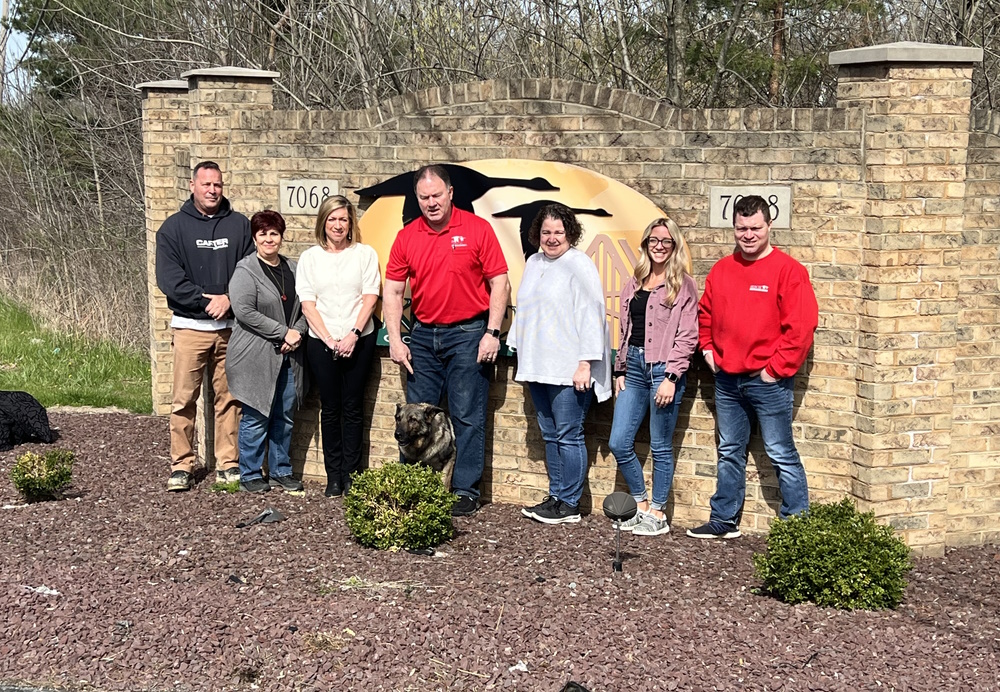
159 591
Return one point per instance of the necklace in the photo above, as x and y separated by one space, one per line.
279 279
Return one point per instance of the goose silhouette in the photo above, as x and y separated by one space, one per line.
469 185
528 212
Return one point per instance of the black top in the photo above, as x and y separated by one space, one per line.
197 254
637 311
283 280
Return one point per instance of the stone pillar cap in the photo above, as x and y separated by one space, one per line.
907 51
165 85
235 72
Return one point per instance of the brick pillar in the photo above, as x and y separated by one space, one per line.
164 141
916 99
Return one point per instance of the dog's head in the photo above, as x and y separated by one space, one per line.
413 422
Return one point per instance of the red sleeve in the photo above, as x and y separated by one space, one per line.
799 315
705 317
397 268
491 254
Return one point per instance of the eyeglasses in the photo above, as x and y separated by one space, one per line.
663 242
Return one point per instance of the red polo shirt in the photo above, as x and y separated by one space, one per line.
449 270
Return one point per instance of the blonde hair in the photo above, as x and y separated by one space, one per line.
677 263
330 205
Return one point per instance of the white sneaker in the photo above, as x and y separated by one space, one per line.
629 524
651 526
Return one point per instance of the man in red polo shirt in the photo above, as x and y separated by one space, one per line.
460 290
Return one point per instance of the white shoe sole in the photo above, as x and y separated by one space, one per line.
714 536
658 532
572 519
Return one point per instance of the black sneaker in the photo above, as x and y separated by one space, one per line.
544 504
179 480
713 530
558 513
465 507
254 485
287 483
228 475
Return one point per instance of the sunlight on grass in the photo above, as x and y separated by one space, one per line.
60 369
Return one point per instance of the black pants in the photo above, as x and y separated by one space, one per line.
341 392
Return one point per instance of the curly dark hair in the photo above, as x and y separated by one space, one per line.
266 220
558 212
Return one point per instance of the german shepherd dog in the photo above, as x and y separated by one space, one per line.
425 436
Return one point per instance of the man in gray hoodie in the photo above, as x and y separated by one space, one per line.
196 253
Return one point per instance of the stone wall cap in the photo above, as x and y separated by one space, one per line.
164 85
907 51
237 72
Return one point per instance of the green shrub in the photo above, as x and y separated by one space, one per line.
399 506
835 556
39 477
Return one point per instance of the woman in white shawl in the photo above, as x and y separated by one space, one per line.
563 353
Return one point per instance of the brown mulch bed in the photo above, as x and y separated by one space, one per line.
147 590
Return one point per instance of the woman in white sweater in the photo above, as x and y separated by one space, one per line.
338 283
563 352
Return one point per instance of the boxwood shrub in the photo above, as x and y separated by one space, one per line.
399 506
39 477
834 555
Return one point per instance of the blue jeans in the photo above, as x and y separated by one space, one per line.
561 411
444 362
641 383
259 432
738 398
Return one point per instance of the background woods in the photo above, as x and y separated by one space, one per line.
71 204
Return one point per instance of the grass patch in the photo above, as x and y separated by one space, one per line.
230 487
67 370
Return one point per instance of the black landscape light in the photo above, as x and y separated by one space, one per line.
619 507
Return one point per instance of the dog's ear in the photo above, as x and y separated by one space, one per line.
431 411
398 407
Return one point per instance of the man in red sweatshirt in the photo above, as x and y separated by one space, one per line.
756 320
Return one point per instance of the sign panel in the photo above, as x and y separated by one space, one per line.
722 199
305 196
509 193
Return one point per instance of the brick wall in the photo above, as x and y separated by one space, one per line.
974 463
874 401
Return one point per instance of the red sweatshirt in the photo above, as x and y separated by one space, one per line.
756 315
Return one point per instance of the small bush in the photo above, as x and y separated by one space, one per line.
39 477
399 506
834 555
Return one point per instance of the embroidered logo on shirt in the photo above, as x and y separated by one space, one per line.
759 288
220 244
458 241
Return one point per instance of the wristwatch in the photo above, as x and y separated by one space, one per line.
495 333
672 377
356 332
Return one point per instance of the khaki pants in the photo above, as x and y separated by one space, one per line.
193 352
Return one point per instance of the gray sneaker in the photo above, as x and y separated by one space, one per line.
179 481
228 475
651 526
629 524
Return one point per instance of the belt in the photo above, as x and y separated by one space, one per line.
476 318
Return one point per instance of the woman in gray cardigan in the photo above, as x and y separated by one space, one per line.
264 364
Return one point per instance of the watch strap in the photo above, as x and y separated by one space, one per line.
495 333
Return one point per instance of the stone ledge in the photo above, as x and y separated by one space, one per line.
234 72
907 51
164 85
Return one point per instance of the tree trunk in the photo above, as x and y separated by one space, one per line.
777 51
